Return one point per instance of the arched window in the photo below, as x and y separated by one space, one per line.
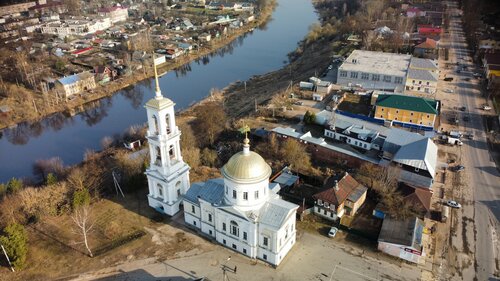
158 156
171 152
167 124
155 125
234 228
160 190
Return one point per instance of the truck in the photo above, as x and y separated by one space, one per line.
454 141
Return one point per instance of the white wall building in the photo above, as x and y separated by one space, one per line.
168 174
374 70
242 210
76 27
117 13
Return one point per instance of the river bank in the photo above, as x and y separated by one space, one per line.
39 109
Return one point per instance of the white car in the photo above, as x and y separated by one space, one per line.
333 231
448 91
486 107
453 204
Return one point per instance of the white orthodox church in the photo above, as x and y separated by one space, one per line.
242 210
168 174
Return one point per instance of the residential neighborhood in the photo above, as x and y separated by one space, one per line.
249 140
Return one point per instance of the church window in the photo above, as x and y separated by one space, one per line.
244 235
227 189
265 242
234 246
224 226
244 251
257 194
167 120
286 233
155 125
224 241
160 190
192 209
234 228
178 192
210 217
234 194
264 256
245 195
171 152
158 156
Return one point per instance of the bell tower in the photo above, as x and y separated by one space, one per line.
168 174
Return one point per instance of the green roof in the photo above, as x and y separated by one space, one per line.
411 103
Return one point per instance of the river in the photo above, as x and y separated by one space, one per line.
68 137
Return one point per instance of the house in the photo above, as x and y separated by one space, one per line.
374 70
285 179
429 29
205 37
16 8
426 49
242 210
342 195
104 74
75 84
491 64
116 13
414 12
402 239
418 161
489 42
407 110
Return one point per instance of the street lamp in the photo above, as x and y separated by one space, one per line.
226 268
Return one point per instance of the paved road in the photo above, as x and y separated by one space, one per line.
484 178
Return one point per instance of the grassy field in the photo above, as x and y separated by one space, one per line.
54 252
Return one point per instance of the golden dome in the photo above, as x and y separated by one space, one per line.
246 167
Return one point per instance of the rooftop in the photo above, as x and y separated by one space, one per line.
411 103
407 233
377 62
347 188
418 63
421 74
421 154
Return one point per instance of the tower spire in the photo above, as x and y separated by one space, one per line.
158 94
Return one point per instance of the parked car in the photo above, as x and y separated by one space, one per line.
486 107
469 135
448 79
299 103
466 79
458 168
463 108
477 75
333 231
448 91
453 204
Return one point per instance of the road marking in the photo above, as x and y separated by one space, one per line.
351 271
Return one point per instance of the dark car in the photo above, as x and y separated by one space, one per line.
448 79
458 168
463 108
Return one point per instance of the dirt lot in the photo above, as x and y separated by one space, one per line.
356 104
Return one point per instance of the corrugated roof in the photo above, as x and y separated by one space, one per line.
407 233
411 103
211 191
275 212
421 74
286 179
419 63
427 44
346 186
421 154
68 80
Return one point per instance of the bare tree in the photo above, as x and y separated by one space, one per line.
296 155
387 179
84 224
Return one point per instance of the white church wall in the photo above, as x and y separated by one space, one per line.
250 189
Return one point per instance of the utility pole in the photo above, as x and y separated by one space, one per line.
8 260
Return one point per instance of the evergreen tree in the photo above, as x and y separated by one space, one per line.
14 185
81 198
14 240
51 179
